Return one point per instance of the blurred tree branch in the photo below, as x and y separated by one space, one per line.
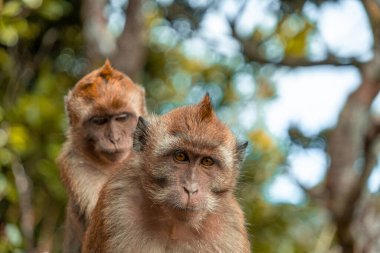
252 54
24 189
249 48
101 43
373 11
352 141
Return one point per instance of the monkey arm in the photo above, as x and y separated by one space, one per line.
94 239
76 174
74 225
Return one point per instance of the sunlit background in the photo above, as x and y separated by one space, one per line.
279 74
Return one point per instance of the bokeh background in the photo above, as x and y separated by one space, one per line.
299 79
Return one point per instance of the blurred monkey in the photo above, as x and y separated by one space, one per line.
103 109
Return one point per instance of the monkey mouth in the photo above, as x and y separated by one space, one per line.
112 151
114 154
188 209
186 214
186 206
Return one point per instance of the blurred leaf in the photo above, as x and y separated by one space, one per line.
32 32
6 63
33 4
11 194
3 137
261 140
8 34
54 10
5 156
13 234
294 32
21 26
3 185
11 8
19 138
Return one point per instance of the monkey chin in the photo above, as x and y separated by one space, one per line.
114 155
187 214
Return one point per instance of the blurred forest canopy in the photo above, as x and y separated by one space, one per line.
47 45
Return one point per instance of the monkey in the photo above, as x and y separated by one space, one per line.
102 109
176 193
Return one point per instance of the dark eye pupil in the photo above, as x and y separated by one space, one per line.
208 161
180 156
99 120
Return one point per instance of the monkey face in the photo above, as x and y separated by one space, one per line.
190 160
103 108
187 175
110 136
188 183
108 128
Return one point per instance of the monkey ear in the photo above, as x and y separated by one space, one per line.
140 135
205 107
240 151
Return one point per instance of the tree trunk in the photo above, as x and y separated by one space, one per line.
127 52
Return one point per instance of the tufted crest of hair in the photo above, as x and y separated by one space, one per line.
106 70
103 89
205 108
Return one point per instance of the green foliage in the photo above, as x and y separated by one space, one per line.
32 120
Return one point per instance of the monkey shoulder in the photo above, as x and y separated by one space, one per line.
124 184
119 211
234 228
82 178
75 166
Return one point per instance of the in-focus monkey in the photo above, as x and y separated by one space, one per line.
103 109
176 194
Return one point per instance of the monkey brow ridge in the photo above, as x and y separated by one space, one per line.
196 141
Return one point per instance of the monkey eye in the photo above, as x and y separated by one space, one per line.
99 120
181 156
207 161
122 117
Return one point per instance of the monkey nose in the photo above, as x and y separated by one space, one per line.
191 189
114 139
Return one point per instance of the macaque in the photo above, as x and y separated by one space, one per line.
103 110
176 193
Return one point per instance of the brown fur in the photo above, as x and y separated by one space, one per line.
162 202
103 109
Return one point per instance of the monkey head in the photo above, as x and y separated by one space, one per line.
189 161
103 109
